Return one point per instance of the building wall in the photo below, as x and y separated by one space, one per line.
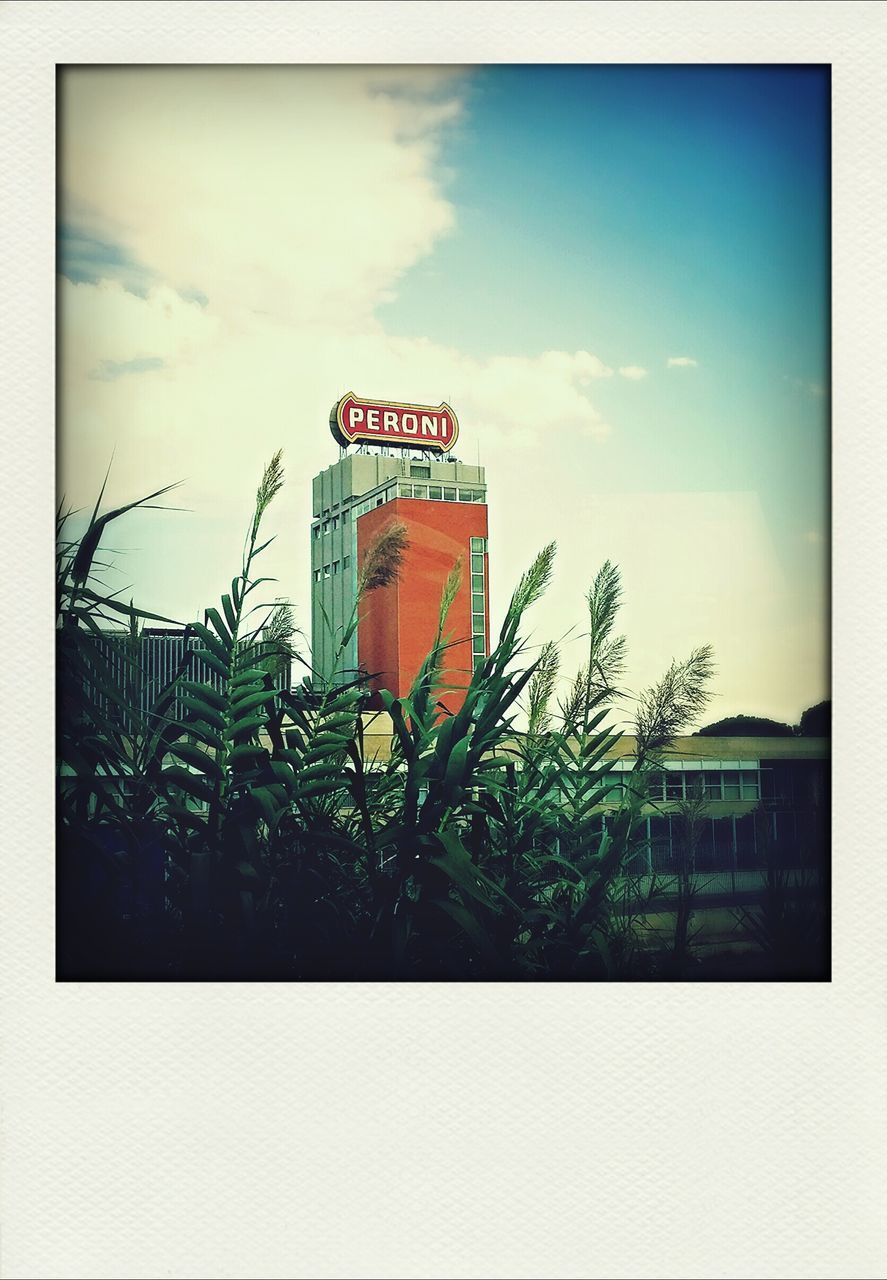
398 623
145 666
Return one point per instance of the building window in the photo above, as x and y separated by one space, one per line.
335 566
614 782
346 563
655 786
420 469
449 495
732 786
405 490
317 575
478 544
435 491
335 522
326 571
326 526
478 601
693 785
466 495
346 515
315 531
750 788
419 490
712 785
674 785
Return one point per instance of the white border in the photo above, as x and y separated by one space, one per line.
338 1130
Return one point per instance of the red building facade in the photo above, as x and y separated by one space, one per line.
398 623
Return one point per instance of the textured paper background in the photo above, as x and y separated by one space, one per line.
430 1131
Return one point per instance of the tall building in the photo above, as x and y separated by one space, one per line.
443 505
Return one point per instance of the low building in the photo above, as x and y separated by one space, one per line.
723 809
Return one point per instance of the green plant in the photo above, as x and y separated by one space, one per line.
473 850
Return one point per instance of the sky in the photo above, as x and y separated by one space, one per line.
618 277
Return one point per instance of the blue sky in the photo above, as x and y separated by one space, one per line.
651 211
618 275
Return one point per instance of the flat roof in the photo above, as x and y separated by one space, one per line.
378 730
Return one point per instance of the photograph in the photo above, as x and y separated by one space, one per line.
443 580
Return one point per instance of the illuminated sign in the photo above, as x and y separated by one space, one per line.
407 426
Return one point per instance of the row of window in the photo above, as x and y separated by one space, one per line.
440 493
332 569
708 784
432 492
478 603
330 525
375 500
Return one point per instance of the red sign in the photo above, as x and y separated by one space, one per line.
408 426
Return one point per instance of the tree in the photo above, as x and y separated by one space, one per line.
816 722
745 727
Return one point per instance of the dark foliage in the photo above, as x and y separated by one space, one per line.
238 827
816 722
746 727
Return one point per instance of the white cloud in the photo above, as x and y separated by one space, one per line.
633 371
300 193
681 362
293 199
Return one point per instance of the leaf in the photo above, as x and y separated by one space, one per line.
190 782
248 725
320 788
83 558
128 610
241 705
251 675
225 636
283 773
456 863
456 764
203 712
200 729
268 804
194 756
213 643
230 615
214 663
241 755
187 817
204 692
